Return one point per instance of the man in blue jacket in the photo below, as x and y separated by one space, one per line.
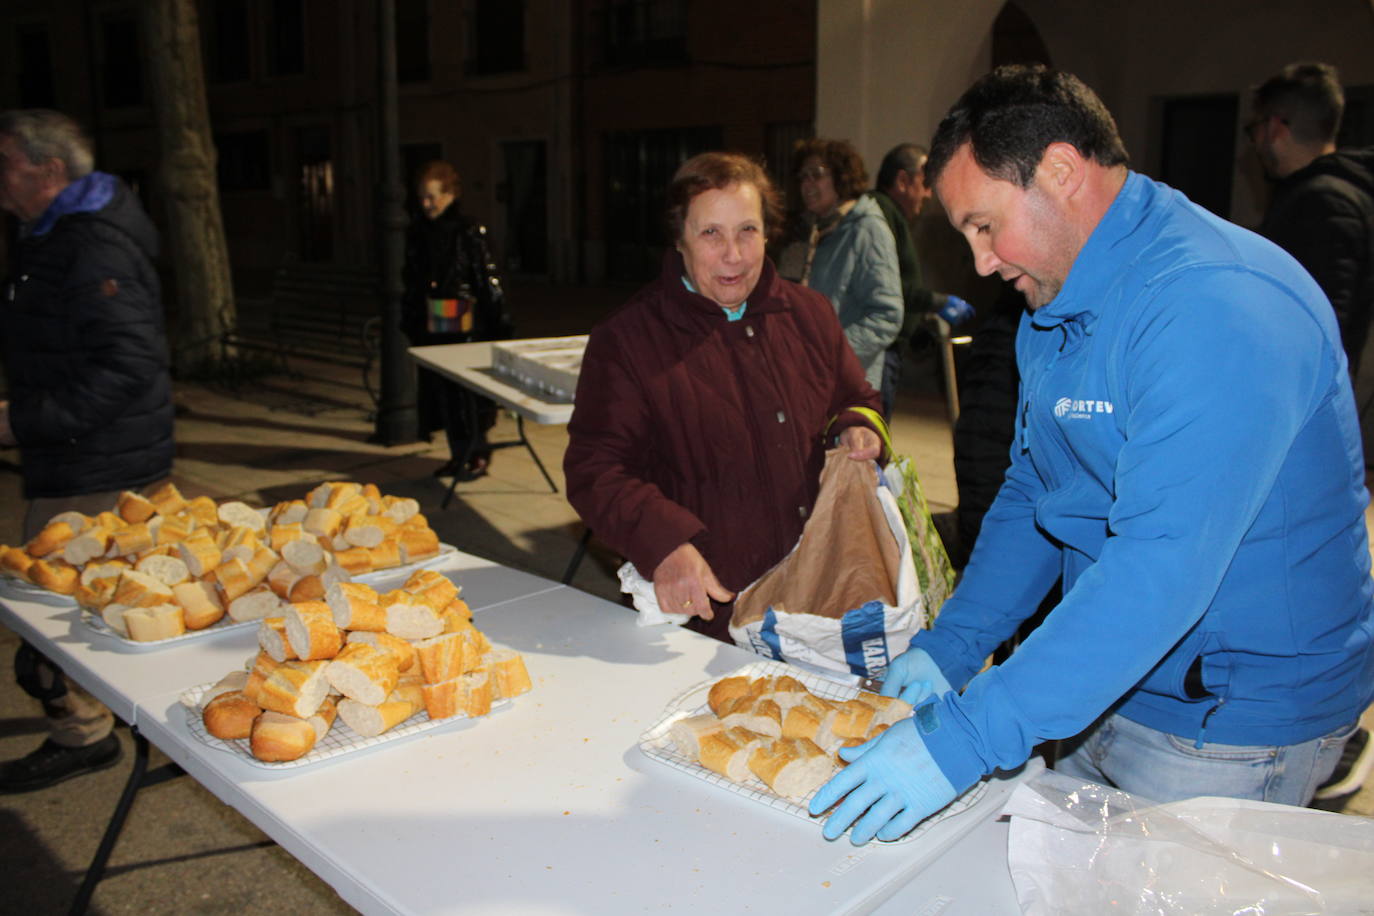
1187 459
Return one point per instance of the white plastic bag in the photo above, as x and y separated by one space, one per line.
1078 847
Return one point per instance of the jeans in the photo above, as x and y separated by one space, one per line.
1161 767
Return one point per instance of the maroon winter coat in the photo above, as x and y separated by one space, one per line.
690 427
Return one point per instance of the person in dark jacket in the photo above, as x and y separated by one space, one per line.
900 192
453 294
1322 209
696 444
90 392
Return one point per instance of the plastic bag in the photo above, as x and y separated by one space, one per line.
1084 848
845 598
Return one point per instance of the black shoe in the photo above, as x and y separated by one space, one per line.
452 467
52 763
1357 759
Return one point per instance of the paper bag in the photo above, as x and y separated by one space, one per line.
845 599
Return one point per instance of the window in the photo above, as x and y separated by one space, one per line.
316 188
34 56
412 41
286 38
228 41
496 36
645 31
245 161
122 64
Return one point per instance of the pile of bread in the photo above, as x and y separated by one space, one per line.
373 660
155 566
775 729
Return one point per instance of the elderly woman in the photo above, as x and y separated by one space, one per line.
452 295
703 404
847 251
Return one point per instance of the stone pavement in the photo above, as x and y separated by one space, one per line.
182 851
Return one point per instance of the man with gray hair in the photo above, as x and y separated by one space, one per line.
88 380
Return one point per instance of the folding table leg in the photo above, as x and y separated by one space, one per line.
520 427
576 560
138 778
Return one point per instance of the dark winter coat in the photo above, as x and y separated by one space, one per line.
86 353
689 427
1323 215
447 257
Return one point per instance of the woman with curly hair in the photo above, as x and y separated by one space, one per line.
844 248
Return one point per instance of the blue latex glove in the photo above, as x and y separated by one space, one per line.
891 784
955 311
913 676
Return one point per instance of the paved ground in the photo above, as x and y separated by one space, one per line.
182 850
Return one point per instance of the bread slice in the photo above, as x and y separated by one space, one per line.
134 507
279 738
167 499
417 544
791 767
687 734
355 606
853 719
150 624
255 605
16 562
139 589
726 691
174 528
370 721
508 674
401 508
86 546
759 715
230 715
369 530
807 718
443 657
311 631
289 512
200 552
131 540
294 688
171 571
113 616
727 752
259 670
200 601
323 719
306 557
97 594
364 673
406 656
52 539
272 639
239 514
231 682
409 619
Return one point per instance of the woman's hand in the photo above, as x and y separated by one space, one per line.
685 584
862 442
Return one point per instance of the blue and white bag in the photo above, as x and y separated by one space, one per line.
846 598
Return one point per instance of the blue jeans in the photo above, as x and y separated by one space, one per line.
1161 767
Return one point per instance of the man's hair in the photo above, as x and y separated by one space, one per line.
714 172
846 166
1307 97
904 157
1012 114
43 134
442 172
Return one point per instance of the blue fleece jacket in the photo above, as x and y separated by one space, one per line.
1188 458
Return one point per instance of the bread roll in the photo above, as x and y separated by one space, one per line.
417 544
807 718
477 693
318 497
369 530
239 514
687 734
853 719
442 657
113 616
759 715
203 510
174 529
455 621
131 540
364 673
279 738
433 587
306 557
230 715
356 561
200 553
87 546
727 752
289 513
272 639
370 721
401 509
508 674
78 520
231 682
151 624
307 588
311 631
51 540
295 688
282 579
355 607
171 571
888 710
444 699
324 717
791 767
16 561
409 619
233 578
406 656
95 595
282 534
386 555
324 523
374 498
725 691
133 507
167 499
139 589
259 671
103 569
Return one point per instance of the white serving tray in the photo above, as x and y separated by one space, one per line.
656 743
338 741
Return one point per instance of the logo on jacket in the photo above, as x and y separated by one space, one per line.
1080 408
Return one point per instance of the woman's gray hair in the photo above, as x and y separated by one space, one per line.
43 134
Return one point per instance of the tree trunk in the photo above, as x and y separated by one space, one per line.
200 256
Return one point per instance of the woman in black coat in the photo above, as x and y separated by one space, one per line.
452 295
